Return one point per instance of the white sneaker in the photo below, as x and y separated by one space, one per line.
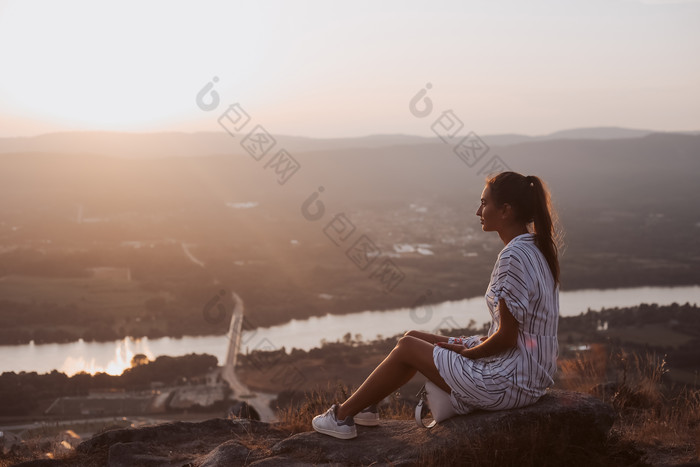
328 424
368 416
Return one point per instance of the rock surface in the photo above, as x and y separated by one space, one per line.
563 428
559 420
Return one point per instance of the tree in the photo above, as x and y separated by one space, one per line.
139 359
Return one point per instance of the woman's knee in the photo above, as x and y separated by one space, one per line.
412 334
403 344
426 336
409 345
416 353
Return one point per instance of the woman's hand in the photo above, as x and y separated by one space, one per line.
505 338
459 348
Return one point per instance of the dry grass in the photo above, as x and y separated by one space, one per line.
649 412
585 371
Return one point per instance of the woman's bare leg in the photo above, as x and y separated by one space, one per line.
424 336
427 337
410 355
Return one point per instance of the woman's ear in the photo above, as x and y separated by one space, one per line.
506 210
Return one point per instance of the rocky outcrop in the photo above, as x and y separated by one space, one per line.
557 426
563 428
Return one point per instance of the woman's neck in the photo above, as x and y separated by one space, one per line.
509 234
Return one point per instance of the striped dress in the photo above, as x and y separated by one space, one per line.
518 376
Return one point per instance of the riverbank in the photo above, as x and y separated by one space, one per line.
113 357
184 302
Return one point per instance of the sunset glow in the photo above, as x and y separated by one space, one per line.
123 354
348 69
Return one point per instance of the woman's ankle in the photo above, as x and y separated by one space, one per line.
339 411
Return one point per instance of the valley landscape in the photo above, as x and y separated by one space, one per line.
147 235
99 247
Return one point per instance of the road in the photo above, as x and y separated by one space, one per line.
259 401
190 256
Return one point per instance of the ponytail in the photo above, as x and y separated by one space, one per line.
545 219
532 203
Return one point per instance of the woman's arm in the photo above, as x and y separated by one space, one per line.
504 338
428 337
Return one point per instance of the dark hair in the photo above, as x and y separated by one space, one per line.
531 202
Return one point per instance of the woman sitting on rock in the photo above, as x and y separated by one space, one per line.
512 366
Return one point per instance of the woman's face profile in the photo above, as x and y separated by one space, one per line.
488 212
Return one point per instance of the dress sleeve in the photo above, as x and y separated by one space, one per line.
512 284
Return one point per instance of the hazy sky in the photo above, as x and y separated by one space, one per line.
331 68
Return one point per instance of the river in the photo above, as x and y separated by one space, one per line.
114 357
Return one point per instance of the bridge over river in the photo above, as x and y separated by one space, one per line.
258 400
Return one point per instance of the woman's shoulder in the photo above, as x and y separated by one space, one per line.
522 255
518 247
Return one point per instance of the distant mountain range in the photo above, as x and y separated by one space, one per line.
155 145
654 170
